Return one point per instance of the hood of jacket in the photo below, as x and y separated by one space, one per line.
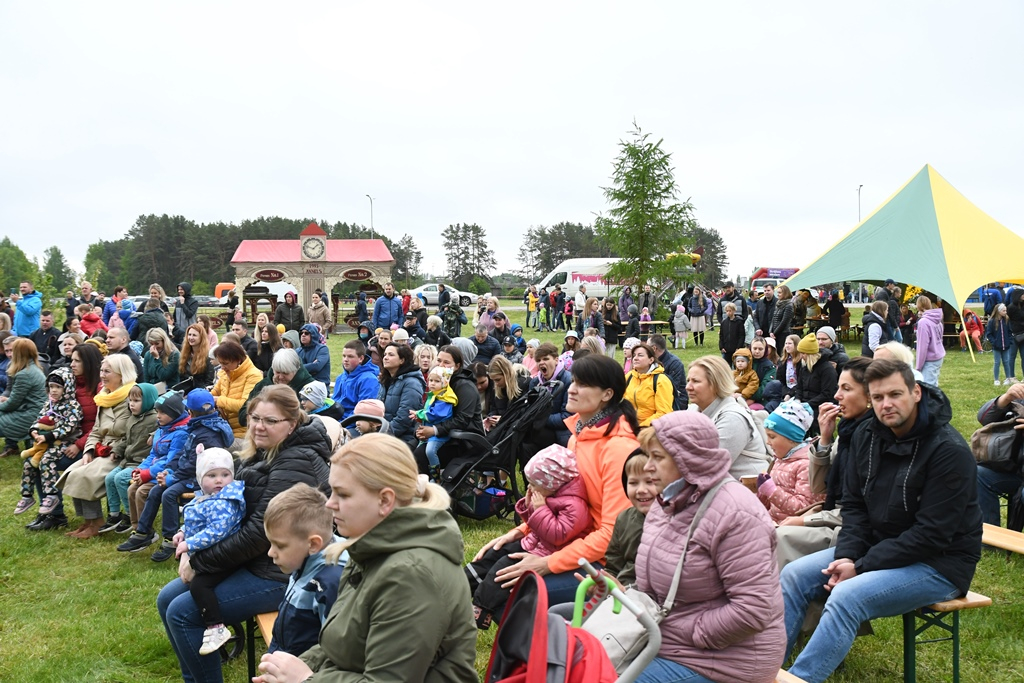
215 423
933 315
407 528
68 379
149 396
656 369
314 333
691 438
365 368
933 411
187 288
410 369
234 491
362 296
293 337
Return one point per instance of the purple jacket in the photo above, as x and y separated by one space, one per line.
727 621
929 337
565 518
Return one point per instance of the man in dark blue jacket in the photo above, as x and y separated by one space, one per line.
487 347
316 358
911 532
387 309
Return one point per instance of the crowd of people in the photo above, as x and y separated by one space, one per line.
281 485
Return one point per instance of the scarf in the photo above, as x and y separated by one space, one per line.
599 417
109 399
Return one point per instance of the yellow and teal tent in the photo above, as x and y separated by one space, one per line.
928 235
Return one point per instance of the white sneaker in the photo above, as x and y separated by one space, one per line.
214 638
998 383
1010 380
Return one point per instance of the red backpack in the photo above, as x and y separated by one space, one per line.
532 646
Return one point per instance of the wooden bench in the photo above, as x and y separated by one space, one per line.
935 616
265 623
1005 539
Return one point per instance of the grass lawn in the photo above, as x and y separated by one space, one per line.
79 611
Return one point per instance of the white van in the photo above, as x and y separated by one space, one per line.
572 273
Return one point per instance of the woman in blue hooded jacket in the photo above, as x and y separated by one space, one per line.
402 390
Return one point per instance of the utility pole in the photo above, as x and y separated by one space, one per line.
371 213
858 205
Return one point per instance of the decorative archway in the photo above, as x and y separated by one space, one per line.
311 262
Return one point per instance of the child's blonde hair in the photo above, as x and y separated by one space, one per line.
442 373
300 511
634 466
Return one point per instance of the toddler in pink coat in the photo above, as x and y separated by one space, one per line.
787 491
554 507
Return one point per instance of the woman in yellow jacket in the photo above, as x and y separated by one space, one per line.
236 379
647 387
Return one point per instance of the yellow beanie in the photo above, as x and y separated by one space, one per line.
280 328
808 344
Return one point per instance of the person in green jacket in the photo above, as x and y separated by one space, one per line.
403 611
27 385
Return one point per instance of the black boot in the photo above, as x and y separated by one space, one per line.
51 522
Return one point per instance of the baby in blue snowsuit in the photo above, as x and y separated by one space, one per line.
209 519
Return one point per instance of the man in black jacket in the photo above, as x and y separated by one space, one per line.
765 311
674 368
251 346
729 293
911 531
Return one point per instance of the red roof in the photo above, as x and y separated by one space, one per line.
313 229
288 251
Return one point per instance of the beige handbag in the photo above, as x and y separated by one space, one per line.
621 634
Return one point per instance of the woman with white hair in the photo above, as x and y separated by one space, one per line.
85 481
286 368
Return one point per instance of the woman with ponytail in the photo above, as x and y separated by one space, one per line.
403 610
603 429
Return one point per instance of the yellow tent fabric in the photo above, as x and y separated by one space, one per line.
928 235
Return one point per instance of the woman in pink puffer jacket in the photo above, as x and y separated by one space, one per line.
726 625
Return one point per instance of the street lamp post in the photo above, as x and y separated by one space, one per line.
858 204
371 215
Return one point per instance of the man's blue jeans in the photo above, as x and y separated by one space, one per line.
240 596
990 485
882 593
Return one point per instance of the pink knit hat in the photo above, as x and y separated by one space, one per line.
552 468
369 406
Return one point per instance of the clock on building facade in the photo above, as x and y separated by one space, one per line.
313 248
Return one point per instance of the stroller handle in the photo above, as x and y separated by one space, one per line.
650 651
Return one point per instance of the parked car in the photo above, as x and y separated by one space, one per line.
429 292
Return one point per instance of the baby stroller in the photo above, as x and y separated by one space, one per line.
533 646
484 484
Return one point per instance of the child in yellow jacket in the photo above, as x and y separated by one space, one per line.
745 376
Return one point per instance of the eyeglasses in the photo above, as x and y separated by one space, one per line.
268 421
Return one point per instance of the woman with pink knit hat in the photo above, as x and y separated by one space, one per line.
726 622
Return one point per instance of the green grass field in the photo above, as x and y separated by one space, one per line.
79 611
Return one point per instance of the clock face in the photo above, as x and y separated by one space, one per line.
312 248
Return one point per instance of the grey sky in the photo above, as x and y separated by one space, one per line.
507 115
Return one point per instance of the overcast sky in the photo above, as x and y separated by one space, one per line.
503 114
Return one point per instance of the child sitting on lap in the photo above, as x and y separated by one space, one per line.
209 518
554 507
299 526
438 407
